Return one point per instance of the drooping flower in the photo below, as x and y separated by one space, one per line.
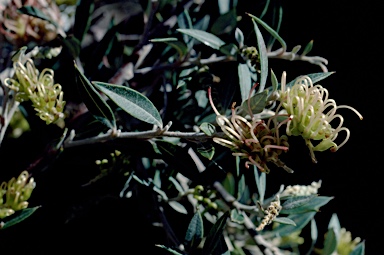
254 141
311 113
30 84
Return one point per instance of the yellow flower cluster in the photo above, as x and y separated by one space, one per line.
16 192
30 84
311 113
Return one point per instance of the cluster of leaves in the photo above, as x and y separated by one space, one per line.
132 72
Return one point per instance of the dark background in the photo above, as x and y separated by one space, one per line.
345 33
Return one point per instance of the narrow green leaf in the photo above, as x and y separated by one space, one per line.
359 249
169 249
132 102
284 220
195 231
307 48
239 36
178 207
83 14
301 221
33 11
263 57
245 81
312 205
270 30
180 47
225 23
241 187
274 81
335 224
215 234
94 102
315 77
179 188
19 217
208 39
330 242
261 183
73 45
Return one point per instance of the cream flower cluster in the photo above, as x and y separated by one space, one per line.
16 192
311 113
302 190
271 213
30 84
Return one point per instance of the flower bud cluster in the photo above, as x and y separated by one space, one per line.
252 55
346 244
39 88
202 198
15 193
302 190
271 213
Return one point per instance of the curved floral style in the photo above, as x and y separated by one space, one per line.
311 113
30 84
254 141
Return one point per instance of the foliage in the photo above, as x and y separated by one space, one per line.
173 109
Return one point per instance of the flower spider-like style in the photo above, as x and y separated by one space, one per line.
30 84
308 105
254 141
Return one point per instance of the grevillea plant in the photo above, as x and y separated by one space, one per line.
172 112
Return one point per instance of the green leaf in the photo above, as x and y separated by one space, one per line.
274 81
33 11
83 14
359 249
270 30
295 202
307 48
237 216
315 77
94 102
180 47
178 207
241 187
239 36
263 57
215 234
330 242
168 249
73 45
207 152
132 102
284 220
257 103
195 231
312 205
207 128
208 39
301 221
335 224
178 158
245 81
19 217
225 23
179 188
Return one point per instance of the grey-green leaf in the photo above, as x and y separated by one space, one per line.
94 102
245 81
178 207
168 249
207 128
330 242
195 231
295 202
359 249
263 57
301 221
208 39
312 205
132 102
285 220
257 103
215 234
